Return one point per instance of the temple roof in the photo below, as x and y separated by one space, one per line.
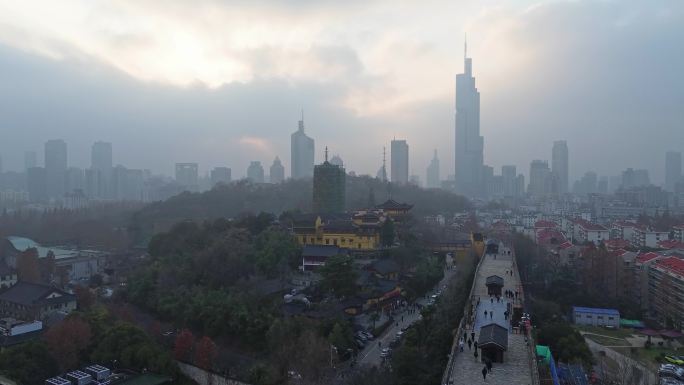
391 204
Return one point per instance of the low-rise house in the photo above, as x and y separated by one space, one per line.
595 316
314 256
622 230
8 276
678 232
586 231
32 301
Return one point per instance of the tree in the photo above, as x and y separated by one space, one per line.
68 341
205 353
387 233
374 317
29 363
183 345
341 337
338 276
84 297
28 268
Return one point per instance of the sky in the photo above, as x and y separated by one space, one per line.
222 83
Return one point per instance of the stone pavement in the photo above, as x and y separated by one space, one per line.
516 366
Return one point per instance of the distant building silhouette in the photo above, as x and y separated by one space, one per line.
673 169
329 189
559 164
399 159
432 177
36 182
301 153
220 175
337 161
100 180
30 160
540 179
55 168
255 172
469 146
186 175
277 171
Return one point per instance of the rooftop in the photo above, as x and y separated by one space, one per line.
595 310
672 264
493 334
391 204
645 257
29 294
494 280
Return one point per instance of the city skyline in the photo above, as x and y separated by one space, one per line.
527 83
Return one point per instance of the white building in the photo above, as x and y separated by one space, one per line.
590 232
644 237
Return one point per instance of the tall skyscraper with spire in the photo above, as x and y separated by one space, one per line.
301 153
469 144
432 179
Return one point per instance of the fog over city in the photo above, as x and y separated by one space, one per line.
222 83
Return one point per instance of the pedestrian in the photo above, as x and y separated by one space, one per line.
470 344
472 335
485 313
491 314
460 345
402 318
475 354
475 345
488 364
465 335
379 344
484 373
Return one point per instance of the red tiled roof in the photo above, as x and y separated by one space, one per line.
565 245
545 224
670 244
616 243
673 264
591 226
617 253
645 257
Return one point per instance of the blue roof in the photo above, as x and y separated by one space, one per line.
595 310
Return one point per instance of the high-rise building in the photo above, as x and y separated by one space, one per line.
540 179
220 175
101 166
432 178
30 160
635 178
329 189
508 176
673 169
255 172
469 147
75 179
588 184
399 161
337 161
487 181
36 182
55 168
277 171
559 165
301 153
186 175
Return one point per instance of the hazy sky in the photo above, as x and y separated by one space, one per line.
223 82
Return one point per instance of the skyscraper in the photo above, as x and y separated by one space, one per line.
220 175
255 172
101 166
469 144
55 167
36 183
673 169
432 178
30 160
329 189
186 175
540 179
508 176
337 161
399 161
559 164
301 153
277 171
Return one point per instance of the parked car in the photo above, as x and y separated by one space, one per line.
386 352
359 343
368 335
361 336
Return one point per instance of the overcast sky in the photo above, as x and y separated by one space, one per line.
223 82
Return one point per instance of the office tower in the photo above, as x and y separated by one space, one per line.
36 184
614 183
602 187
329 187
634 178
186 175
432 179
220 175
277 171
127 184
415 180
301 153
469 144
255 172
673 169
30 160
487 181
540 179
337 161
55 167
75 179
508 176
101 164
399 161
587 184
559 164
520 185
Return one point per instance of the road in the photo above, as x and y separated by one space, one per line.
370 355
